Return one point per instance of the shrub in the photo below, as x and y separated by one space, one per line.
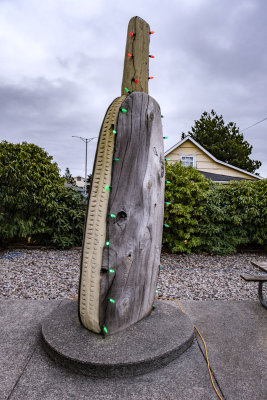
187 194
235 215
34 204
215 218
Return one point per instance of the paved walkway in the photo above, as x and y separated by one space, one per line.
235 333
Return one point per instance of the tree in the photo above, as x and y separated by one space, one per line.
69 178
224 142
34 203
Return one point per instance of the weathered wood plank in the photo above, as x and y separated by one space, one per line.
118 282
254 278
261 265
137 200
136 67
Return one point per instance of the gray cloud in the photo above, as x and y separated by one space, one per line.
66 68
47 114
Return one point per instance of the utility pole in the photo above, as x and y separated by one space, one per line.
86 141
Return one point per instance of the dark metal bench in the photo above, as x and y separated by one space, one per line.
258 278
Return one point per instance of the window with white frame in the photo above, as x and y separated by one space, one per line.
188 160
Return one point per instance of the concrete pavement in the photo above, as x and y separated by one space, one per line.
235 333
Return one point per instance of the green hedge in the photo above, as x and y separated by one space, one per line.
202 216
35 206
214 218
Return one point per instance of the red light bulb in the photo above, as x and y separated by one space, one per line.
151 33
131 34
151 56
151 77
136 80
129 55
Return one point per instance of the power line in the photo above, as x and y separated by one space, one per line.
256 123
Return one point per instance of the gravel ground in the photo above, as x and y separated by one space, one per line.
54 274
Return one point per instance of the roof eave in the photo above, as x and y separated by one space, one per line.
210 155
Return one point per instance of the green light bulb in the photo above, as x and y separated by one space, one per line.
168 182
112 300
111 271
167 159
105 329
166 225
112 215
107 188
114 132
165 137
107 243
167 203
116 159
154 306
162 116
127 90
156 291
123 110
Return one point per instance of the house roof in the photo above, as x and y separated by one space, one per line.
221 178
209 155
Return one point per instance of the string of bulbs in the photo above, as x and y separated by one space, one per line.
104 329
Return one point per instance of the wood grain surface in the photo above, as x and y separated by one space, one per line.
137 201
136 67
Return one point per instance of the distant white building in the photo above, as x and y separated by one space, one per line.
79 181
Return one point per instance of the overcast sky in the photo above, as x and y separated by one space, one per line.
62 61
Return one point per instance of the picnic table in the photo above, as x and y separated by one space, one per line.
262 266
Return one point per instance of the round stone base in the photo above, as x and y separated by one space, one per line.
149 344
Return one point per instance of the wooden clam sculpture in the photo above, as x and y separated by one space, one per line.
123 229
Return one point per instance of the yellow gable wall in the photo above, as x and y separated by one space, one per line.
203 161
